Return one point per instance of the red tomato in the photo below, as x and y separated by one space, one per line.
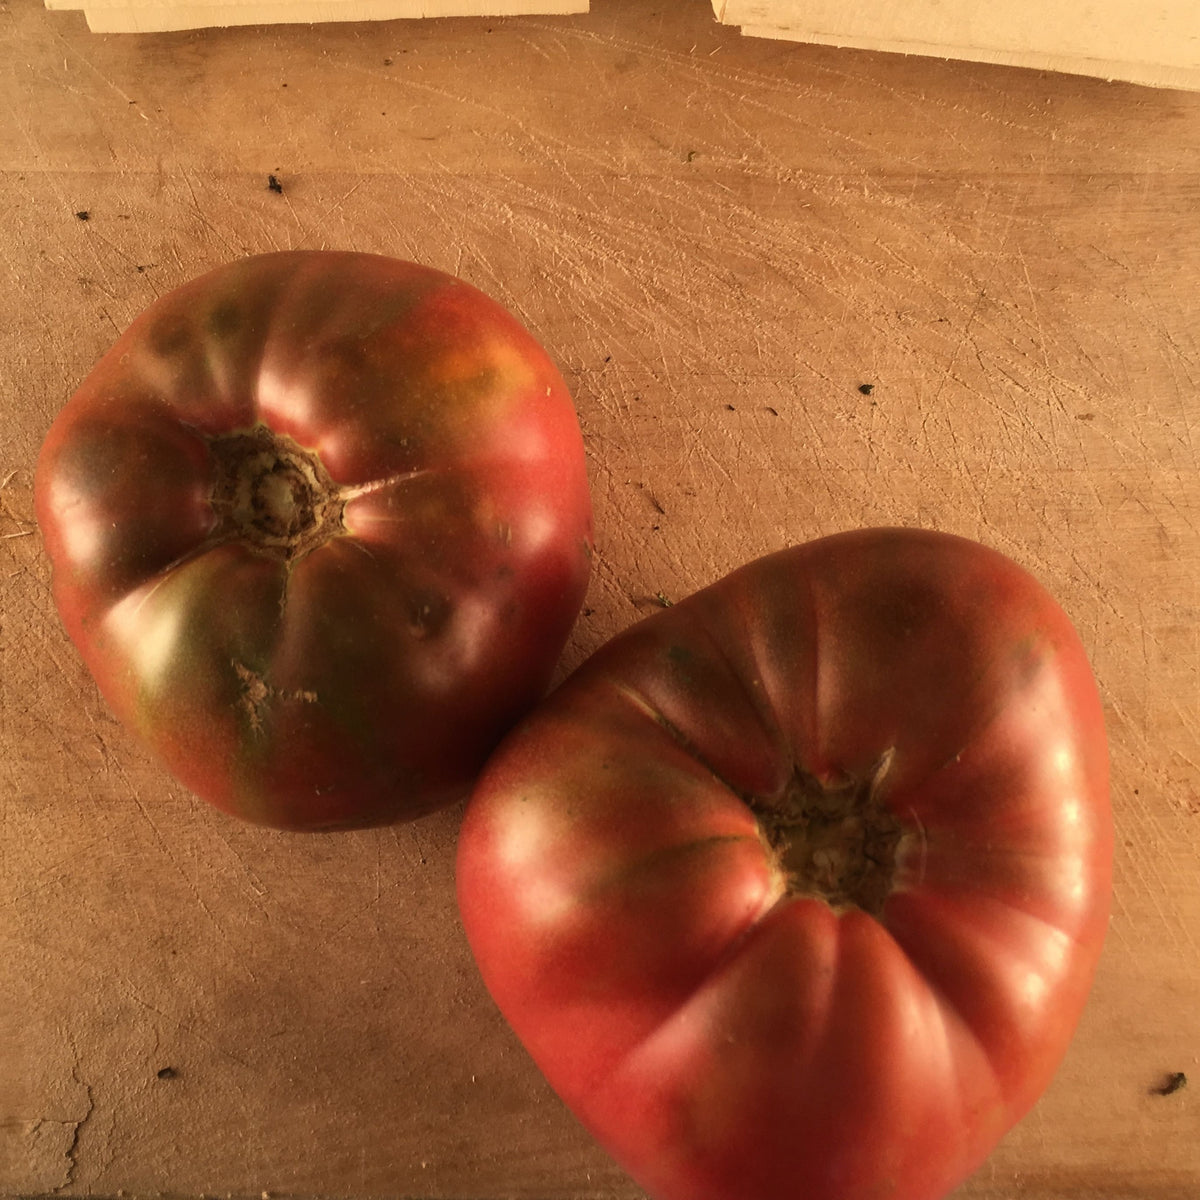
319 525
794 891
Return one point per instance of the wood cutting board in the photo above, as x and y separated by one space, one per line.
720 240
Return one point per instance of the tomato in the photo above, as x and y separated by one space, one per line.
794 890
319 525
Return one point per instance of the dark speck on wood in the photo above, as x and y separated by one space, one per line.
1173 1083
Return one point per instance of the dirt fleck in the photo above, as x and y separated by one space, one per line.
84 215
273 185
866 388
1176 1081
658 600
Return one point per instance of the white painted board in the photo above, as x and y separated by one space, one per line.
1155 42
156 16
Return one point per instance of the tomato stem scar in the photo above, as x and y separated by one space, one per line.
834 840
273 494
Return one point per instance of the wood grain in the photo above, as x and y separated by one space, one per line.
719 239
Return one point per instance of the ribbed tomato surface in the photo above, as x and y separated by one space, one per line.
794 891
319 524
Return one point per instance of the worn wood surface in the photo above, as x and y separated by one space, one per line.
720 240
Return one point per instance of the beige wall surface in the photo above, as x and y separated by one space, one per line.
719 239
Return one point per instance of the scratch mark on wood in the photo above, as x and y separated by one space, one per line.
72 1150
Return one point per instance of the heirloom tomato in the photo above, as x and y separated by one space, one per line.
319 525
794 890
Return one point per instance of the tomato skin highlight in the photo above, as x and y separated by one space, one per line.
680 974
319 525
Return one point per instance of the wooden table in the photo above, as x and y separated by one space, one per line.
720 240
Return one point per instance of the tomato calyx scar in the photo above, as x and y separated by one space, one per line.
834 840
273 494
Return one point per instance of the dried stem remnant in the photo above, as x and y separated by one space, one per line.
273 494
837 842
